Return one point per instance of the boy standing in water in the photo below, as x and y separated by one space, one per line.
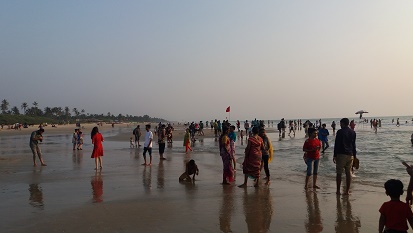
394 213
147 146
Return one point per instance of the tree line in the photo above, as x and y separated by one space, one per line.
62 114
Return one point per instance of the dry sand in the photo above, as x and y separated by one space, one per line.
69 196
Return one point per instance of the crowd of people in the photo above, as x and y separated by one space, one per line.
394 214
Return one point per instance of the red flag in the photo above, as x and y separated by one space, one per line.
228 109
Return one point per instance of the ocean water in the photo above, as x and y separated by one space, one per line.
67 182
380 153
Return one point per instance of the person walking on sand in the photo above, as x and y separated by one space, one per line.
161 141
187 141
227 159
312 156
323 137
97 153
344 153
251 167
147 146
35 138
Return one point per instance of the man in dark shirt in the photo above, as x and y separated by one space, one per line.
344 153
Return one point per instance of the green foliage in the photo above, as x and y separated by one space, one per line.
59 115
12 119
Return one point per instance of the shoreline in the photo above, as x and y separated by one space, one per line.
126 196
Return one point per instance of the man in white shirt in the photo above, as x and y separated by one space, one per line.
147 146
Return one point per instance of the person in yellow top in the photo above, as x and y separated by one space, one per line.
187 141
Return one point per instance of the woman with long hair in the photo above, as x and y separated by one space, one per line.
97 153
251 166
226 155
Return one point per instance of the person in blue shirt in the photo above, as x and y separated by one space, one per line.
323 137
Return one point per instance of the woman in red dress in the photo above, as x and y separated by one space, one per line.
253 156
97 140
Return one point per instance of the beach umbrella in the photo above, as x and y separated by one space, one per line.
361 113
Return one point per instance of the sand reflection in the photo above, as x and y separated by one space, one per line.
227 208
97 187
346 222
77 157
314 223
137 153
161 175
36 196
147 178
258 209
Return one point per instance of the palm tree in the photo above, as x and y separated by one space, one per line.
24 107
15 110
35 104
48 111
67 113
75 111
4 106
59 111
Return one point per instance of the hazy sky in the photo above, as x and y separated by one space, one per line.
190 60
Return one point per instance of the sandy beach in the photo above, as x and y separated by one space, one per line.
69 196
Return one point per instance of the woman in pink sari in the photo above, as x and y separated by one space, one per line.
253 156
226 155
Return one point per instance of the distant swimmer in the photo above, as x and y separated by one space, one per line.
397 123
352 125
375 125
333 125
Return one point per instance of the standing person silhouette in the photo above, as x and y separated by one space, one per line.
97 153
147 146
344 153
251 166
35 138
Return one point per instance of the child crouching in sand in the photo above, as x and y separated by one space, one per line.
191 169
394 213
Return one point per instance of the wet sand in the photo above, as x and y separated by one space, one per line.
69 196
